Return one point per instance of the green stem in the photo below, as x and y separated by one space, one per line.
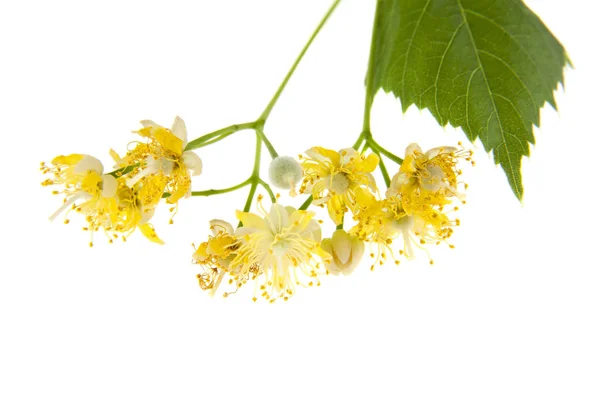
359 141
249 199
122 171
267 111
366 135
384 173
213 141
256 168
365 146
369 95
221 191
268 189
267 143
340 227
305 205
254 178
224 132
376 146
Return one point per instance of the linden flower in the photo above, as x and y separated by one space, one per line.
106 202
136 208
87 190
346 252
382 221
278 246
162 161
215 255
333 177
429 178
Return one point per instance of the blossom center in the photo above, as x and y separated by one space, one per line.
339 183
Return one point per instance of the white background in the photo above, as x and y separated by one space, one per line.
512 312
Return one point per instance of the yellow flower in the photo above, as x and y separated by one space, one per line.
215 255
428 179
383 221
82 178
333 178
346 252
106 202
136 208
86 189
278 247
162 162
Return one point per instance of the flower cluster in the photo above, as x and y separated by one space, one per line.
417 204
282 248
121 201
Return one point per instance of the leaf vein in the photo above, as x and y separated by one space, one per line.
467 98
502 133
437 108
514 39
409 46
511 69
512 104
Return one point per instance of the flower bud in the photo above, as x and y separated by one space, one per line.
285 172
346 251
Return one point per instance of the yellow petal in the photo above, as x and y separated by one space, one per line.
180 191
370 163
363 197
325 256
115 156
150 233
167 140
335 207
300 219
250 220
71 159
145 132
201 254
334 156
90 182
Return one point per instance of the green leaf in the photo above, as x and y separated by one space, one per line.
487 66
